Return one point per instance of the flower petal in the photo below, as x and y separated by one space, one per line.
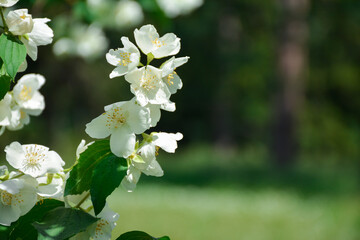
144 38
14 154
122 142
97 128
167 141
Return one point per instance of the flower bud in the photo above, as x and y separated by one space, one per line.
19 22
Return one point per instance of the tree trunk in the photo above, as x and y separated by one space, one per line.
291 66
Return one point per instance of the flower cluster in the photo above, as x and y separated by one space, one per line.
39 172
39 175
152 88
24 100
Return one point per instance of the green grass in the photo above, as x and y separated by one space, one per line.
193 213
233 194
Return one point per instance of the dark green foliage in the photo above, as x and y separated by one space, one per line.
106 177
22 228
97 170
4 85
138 235
62 223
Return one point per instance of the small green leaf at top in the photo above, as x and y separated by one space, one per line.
62 223
12 52
4 85
138 235
107 176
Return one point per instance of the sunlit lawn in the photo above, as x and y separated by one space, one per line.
216 195
190 213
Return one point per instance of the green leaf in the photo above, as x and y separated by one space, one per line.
12 52
106 177
22 228
138 235
61 223
4 232
81 175
4 85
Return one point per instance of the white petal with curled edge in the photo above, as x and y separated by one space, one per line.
144 38
54 163
15 154
169 45
82 147
122 142
147 152
52 190
118 71
8 3
167 141
97 128
131 179
41 33
153 169
31 47
168 106
12 186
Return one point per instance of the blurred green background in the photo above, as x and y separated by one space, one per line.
270 112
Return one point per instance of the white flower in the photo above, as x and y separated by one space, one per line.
27 96
5 110
121 120
166 141
125 59
64 46
34 160
128 13
40 35
33 32
90 41
19 22
150 166
51 186
17 197
169 76
7 3
149 41
148 152
147 86
19 118
82 147
174 8
100 230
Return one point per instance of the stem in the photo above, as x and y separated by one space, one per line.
3 18
17 176
150 57
82 200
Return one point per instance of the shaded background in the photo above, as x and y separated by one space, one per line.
270 112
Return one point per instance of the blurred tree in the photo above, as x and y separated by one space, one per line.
292 58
